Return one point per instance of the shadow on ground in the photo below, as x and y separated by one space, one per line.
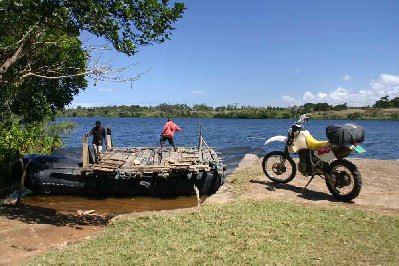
39 215
307 194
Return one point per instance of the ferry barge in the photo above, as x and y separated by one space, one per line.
127 171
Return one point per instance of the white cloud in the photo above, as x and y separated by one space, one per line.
385 85
346 77
105 90
83 104
197 92
289 99
389 79
308 96
322 95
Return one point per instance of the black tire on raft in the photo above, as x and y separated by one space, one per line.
211 183
217 182
288 159
357 180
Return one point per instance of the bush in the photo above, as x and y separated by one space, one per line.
354 116
17 140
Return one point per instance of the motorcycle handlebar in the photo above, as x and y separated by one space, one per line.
302 119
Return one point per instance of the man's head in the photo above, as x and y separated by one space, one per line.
98 123
169 119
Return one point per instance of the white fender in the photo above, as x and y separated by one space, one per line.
276 138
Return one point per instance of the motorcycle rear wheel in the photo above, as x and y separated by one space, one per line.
278 169
344 180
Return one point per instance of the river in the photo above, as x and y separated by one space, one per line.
232 139
234 136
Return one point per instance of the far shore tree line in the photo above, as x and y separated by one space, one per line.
319 110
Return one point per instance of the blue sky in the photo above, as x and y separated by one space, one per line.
264 53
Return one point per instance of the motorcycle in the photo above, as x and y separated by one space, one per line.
318 158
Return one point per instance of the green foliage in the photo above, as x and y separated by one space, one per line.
354 116
202 107
384 102
127 24
308 107
42 61
182 110
340 107
322 107
229 111
17 141
35 98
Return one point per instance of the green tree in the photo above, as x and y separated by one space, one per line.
395 102
322 107
340 107
383 102
202 107
308 107
42 57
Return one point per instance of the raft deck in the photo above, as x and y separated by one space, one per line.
135 162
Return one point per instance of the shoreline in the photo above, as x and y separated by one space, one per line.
235 118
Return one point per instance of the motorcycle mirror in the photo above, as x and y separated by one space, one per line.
302 118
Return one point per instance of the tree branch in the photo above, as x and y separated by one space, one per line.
32 74
24 44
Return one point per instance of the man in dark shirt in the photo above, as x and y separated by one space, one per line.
98 133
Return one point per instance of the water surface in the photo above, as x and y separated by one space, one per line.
232 139
109 206
234 136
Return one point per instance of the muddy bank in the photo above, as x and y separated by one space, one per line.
29 231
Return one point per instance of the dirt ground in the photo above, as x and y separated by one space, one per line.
28 231
380 190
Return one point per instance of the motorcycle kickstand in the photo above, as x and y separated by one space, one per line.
307 184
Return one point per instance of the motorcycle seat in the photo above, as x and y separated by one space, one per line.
314 144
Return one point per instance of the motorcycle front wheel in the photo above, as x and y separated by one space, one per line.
344 180
277 168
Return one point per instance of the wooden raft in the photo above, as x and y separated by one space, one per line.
131 162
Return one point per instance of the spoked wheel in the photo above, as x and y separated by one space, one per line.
344 180
277 168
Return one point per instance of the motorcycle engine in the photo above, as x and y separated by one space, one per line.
304 165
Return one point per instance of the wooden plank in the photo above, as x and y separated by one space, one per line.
112 162
181 164
142 169
106 156
109 142
115 160
85 152
104 170
104 166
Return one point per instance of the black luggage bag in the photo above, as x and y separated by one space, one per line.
345 135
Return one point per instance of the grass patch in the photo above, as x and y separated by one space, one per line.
241 233
238 181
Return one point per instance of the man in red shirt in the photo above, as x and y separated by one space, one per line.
169 132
